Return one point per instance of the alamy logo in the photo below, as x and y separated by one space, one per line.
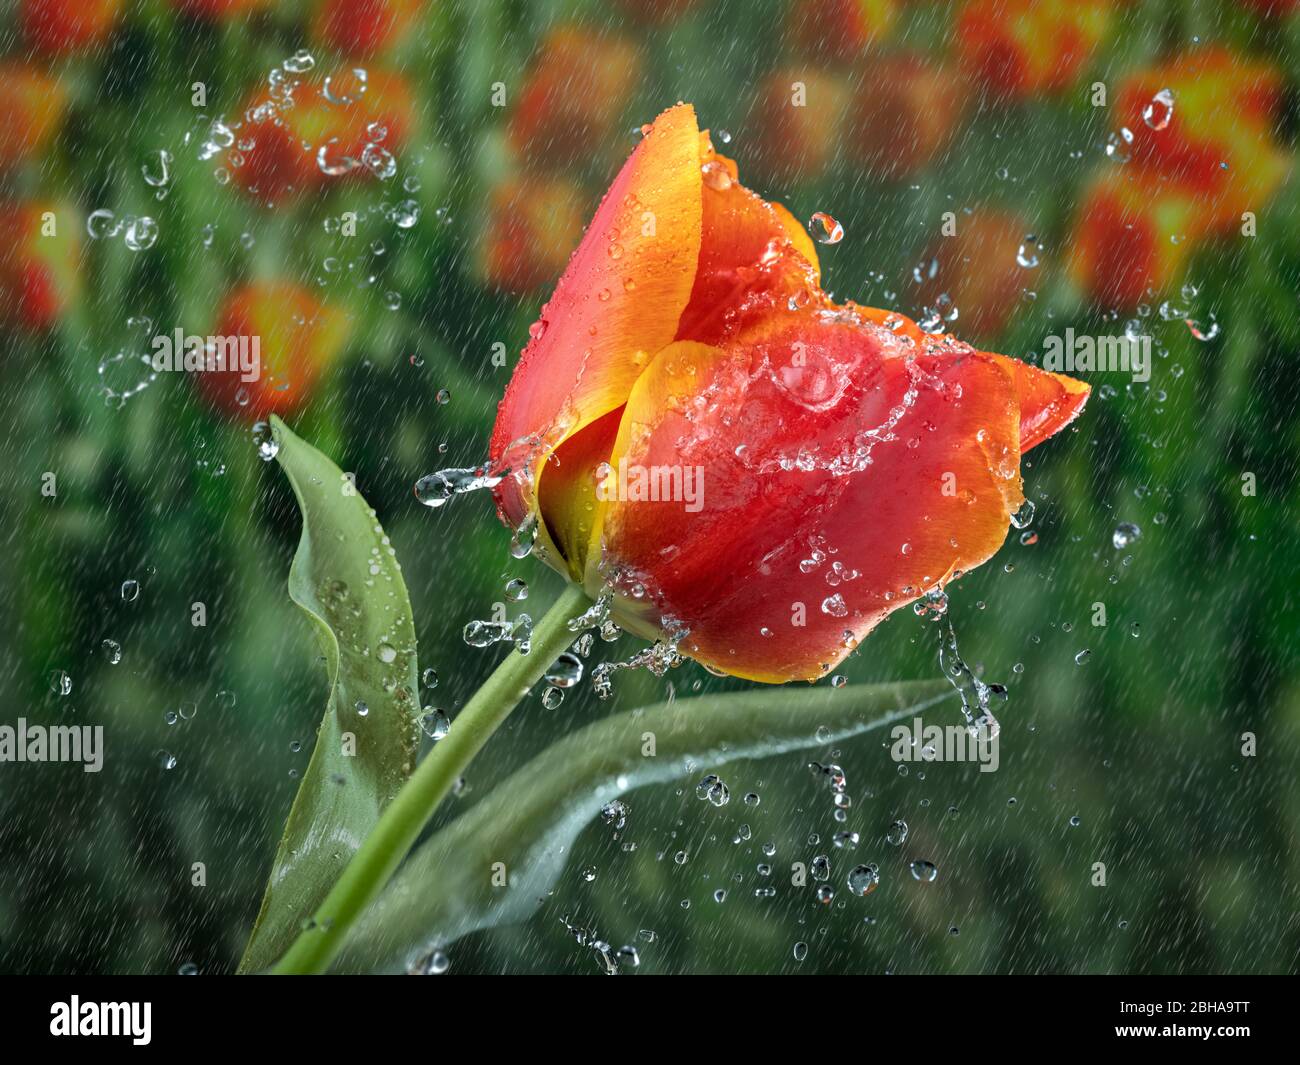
102 1018
180 353
630 483
945 743
1087 354
55 743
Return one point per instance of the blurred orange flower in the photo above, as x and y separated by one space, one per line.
220 9
60 27
365 28
318 138
840 29
1129 244
298 338
1205 121
1024 48
795 122
574 95
979 269
40 256
904 115
533 225
1202 153
658 12
35 103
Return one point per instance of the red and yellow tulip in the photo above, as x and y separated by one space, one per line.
904 115
574 95
1205 122
40 275
35 103
848 462
533 222
795 119
62 27
298 338
1019 49
220 10
287 142
365 28
979 269
841 29
1203 153
1130 244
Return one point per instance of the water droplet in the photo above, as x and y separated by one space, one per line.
141 233
60 682
834 606
102 224
300 62
1027 254
1023 517
406 214
864 879
924 871
157 172
897 834
1119 145
434 723
1125 535
566 671
825 229
264 439
130 591
713 789
1160 110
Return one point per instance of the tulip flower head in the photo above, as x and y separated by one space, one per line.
755 472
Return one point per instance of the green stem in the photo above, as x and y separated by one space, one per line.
408 813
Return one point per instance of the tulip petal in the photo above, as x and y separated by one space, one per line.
845 472
1048 401
754 257
618 302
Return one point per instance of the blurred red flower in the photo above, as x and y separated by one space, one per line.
298 339
366 28
282 150
1020 49
1203 159
36 104
40 263
795 124
903 116
61 27
574 95
840 29
979 269
533 223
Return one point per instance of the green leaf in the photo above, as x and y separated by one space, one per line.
530 820
346 579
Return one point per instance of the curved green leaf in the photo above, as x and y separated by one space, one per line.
347 580
530 821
